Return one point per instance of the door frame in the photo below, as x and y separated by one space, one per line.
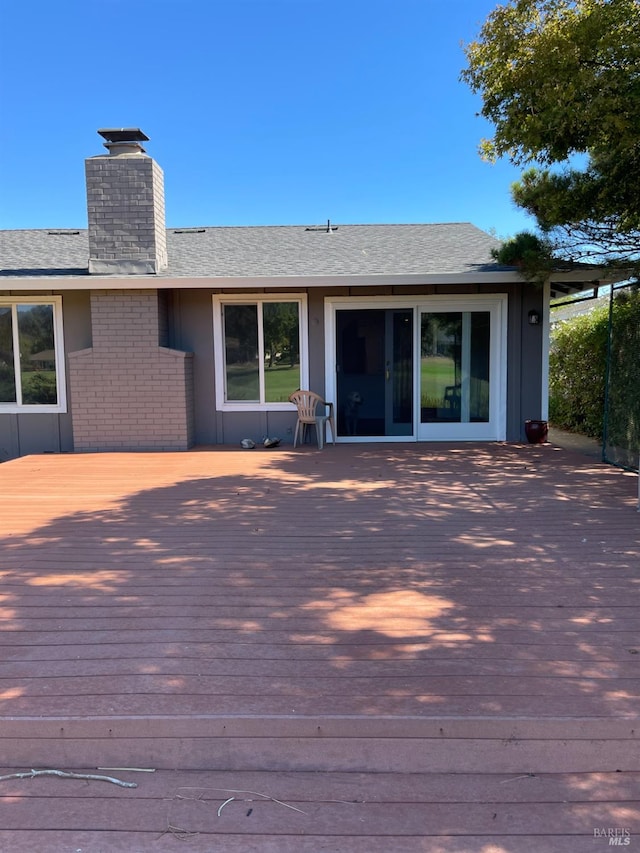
495 303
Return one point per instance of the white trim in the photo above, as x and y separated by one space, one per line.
86 281
219 300
58 345
495 303
546 342
155 282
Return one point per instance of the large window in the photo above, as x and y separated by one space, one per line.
31 355
260 350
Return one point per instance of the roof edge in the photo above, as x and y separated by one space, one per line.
154 282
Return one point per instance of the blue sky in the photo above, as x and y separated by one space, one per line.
259 111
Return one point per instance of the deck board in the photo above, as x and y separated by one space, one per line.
319 811
213 607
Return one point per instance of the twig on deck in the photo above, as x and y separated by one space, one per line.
131 769
63 774
515 778
226 802
236 791
180 834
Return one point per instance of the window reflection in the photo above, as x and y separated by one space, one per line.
28 375
7 368
268 330
281 330
37 354
241 352
454 367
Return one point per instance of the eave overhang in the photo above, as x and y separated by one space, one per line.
565 283
95 282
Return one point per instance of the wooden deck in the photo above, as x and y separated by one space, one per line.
373 648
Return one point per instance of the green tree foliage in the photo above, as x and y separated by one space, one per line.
527 251
560 82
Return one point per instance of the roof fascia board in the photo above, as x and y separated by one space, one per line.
598 275
95 282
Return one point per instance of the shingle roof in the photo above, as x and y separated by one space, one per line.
292 250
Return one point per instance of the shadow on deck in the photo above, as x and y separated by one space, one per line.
448 633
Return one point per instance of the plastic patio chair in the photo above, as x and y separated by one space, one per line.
307 403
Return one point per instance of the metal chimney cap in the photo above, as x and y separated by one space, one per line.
123 134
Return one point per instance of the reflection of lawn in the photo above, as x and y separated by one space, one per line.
280 381
436 373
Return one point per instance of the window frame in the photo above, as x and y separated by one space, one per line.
219 303
58 346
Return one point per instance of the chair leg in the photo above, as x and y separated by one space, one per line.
333 430
295 435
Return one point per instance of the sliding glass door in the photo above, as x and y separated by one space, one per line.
433 369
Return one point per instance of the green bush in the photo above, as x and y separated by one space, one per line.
577 373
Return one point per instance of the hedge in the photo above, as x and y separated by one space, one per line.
577 373
578 369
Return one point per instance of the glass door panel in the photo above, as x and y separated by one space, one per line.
374 372
399 373
440 367
454 367
479 365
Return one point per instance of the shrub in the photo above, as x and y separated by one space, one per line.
577 373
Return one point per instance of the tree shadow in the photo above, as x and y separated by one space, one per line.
492 580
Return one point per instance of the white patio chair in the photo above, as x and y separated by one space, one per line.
307 403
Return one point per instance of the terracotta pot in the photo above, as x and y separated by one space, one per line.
536 431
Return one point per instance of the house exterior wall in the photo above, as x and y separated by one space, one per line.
192 329
126 392
525 354
22 434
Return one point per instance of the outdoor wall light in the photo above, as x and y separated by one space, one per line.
534 318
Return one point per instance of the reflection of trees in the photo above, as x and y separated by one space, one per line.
6 342
281 331
37 357
441 334
7 382
35 324
39 387
241 334
35 327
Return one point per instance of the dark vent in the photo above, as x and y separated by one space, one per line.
190 231
62 233
123 134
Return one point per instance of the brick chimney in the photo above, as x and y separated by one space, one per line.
125 203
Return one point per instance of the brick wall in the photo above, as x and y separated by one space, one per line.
126 213
127 392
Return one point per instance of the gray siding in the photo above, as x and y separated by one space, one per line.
184 323
524 364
